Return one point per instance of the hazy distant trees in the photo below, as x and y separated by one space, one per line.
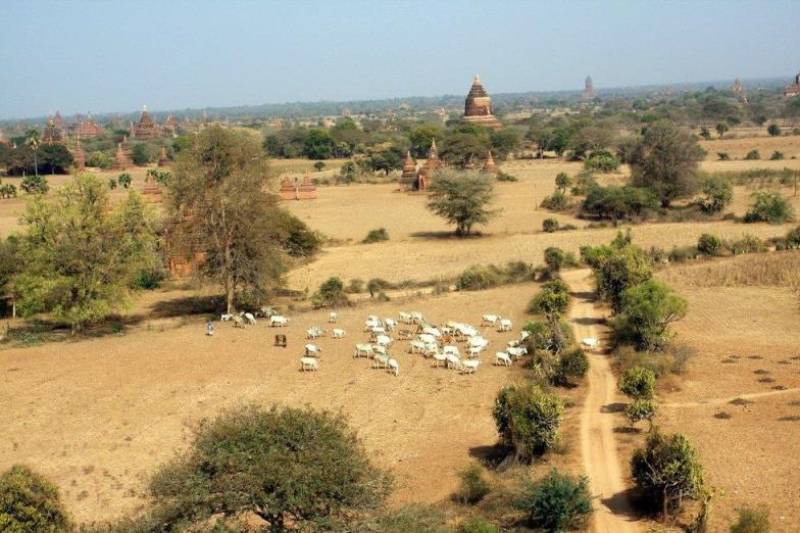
465 146
462 198
666 160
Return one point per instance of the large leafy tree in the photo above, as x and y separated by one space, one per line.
79 256
30 504
647 311
462 198
665 160
465 146
220 210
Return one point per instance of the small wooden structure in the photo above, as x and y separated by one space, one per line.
293 189
280 340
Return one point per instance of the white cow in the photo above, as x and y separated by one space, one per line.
226 317
489 320
505 325
474 351
379 350
416 317
469 367
380 361
590 342
314 332
383 340
452 361
251 319
439 358
416 347
312 350
394 367
517 351
309 363
451 350
332 317
337 333
477 342
427 338
405 318
391 324
431 331
502 359
363 350
278 321
238 322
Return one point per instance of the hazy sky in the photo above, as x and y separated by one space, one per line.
80 56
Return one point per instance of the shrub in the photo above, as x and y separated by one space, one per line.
283 464
572 364
709 244
527 419
776 156
619 203
751 521
583 182
773 130
550 225
556 202
769 206
415 517
33 184
601 161
348 172
616 268
723 156
355 286
377 285
752 155
295 237
478 525
749 244
672 360
563 181
554 259
667 471
639 410
556 503
638 383
552 301
8 190
647 310
149 279
319 165
99 160
30 503
717 193
793 238
330 294
376 235
679 254
124 180
477 278
473 485
502 176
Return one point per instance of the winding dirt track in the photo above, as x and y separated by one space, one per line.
598 444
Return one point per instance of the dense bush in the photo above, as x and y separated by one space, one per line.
556 202
294 236
751 521
616 268
793 238
485 277
638 383
552 301
776 156
602 161
709 244
550 225
769 206
502 176
551 336
667 471
563 181
141 155
774 130
556 503
571 364
619 203
717 193
646 311
555 259
640 410
748 244
583 182
30 504
723 156
473 485
124 180
330 294
527 419
753 155
33 184
284 464
376 235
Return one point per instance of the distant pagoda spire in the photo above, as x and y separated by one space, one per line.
489 166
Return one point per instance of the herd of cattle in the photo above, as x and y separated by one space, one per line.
439 343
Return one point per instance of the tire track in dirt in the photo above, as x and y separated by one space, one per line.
598 443
729 399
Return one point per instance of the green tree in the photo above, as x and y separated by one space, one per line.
616 268
563 181
330 294
422 137
556 503
668 471
30 504
709 244
33 141
527 419
640 410
141 155
386 160
504 142
717 193
473 485
283 464
348 172
647 310
769 206
462 199
319 165
571 364
79 255
34 184
218 206
461 149
665 160
124 180
318 144
552 301
774 130
721 129
638 383
554 259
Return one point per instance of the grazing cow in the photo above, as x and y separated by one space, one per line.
427 338
451 350
314 332
266 311
590 342
308 363
432 331
416 317
391 324
238 322
380 361
277 321
226 317
312 350
405 318
469 367
363 350
337 333
439 358
250 318
516 351
394 367
505 325
502 359
452 361
383 340
416 347
474 351
489 320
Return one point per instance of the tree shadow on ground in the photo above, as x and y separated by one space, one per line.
491 456
584 295
589 321
616 407
445 235
627 430
625 503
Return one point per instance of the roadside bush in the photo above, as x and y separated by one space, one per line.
473 485
602 161
776 156
330 294
556 503
552 301
556 202
640 410
554 259
124 180
572 364
769 206
295 237
377 285
283 464
616 268
550 225
749 244
502 176
793 238
563 181
583 182
33 184
619 203
751 521
8 190
773 130
638 383
672 360
709 244
477 278
99 160
717 193
355 286
527 419
679 254
150 278
667 471
376 235
647 310
30 504
753 155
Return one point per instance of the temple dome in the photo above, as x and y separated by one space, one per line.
478 106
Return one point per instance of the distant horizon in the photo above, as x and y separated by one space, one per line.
113 57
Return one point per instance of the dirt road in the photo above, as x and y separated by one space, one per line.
598 444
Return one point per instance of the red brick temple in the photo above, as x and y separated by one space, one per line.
52 134
151 190
122 160
88 129
293 189
478 107
163 160
489 166
146 128
794 89
588 89
408 177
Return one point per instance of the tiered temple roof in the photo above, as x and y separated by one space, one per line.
122 159
163 160
79 156
88 129
146 128
794 89
170 125
478 107
409 175
58 121
151 190
489 166
52 134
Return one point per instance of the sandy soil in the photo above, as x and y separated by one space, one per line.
599 447
98 416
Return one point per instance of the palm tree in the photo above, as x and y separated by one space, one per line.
33 141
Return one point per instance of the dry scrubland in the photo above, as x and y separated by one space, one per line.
744 323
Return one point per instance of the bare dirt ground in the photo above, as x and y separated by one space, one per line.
98 416
599 447
739 399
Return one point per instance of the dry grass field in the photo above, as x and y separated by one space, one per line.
744 323
737 146
97 416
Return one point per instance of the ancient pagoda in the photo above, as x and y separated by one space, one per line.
122 160
433 163
738 89
146 128
79 156
588 89
478 107
489 167
408 177
88 129
294 189
170 126
151 191
52 134
163 160
793 89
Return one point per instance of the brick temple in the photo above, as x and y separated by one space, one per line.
793 89
146 128
294 189
478 107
